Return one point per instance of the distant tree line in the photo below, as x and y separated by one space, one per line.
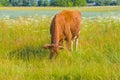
64 3
104 2
68 3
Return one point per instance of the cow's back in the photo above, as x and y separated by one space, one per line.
69 21
66 22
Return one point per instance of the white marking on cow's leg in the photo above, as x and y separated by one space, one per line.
76 44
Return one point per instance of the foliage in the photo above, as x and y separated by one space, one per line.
4 3
46 3
104 2
118 2
79 2
69 3
40 2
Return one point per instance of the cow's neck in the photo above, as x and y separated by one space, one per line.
55 36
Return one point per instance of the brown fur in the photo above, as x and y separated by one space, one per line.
64 26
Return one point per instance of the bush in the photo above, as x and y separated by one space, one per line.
5 3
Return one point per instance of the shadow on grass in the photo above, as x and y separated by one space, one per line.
28 53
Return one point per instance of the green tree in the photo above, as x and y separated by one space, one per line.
20 2
53 3
40 2
90 1
46 3
99 2
70 3
32 3
79 2
4 3
25 2
15 2
107 2
103 2
118 2
61 2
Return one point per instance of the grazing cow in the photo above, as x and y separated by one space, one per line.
64 26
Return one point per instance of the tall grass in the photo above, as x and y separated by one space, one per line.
23 58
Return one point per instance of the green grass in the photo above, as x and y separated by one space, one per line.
23 58
90 8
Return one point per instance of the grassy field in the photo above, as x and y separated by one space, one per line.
23 58
92 8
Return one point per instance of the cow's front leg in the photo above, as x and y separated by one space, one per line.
68 36
69 43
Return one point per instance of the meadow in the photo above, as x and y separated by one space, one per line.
22 56
89 8
15 12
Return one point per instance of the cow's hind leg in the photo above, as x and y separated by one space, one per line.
76 41
76 44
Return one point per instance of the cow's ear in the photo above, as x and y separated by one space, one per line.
61 47
47 46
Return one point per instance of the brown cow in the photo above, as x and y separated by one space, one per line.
64 26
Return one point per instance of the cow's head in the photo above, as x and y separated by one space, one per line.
53 49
